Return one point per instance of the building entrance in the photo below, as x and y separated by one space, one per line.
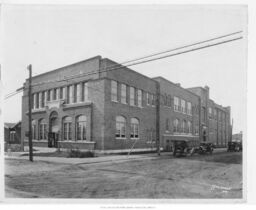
53 134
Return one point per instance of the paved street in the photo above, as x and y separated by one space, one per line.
140 176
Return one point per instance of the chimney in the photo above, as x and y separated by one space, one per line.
178 84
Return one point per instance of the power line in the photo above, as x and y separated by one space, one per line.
141 58
110 68
137 63
182 47
12 94
150 60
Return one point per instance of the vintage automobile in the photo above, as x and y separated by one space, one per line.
234 146
205 147
184 147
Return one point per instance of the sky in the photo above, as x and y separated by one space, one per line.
49 37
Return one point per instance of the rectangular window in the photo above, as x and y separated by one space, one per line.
210 112
70 94
61 92
114 90
148 99
189 108
123 94
79 92
175 125
183 106
153 98
132 96
140 98
42 99
85 92
68 101
54 94
45 97
75 93
37 100
48 95
176 104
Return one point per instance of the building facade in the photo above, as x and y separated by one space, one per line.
215 119
97 104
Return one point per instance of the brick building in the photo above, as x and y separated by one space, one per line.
92 105
215 119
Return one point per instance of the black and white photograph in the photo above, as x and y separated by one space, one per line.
143 101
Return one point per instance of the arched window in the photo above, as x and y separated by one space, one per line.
33 129
67 132
176 125
120 127
134 128
42 129
81 127
183 126
189 127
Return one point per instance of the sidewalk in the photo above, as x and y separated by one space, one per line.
99 159
89 160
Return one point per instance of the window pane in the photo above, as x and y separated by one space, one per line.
70 94
134 128
120 127
69 131
43 99
61 93
176 103
148 99
85 92
78 90
183 106
132 92
123 94
113 90
140 98
75 93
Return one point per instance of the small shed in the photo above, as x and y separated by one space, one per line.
12 133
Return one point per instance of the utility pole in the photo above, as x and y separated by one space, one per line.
231 130
29 114
199 115
158 117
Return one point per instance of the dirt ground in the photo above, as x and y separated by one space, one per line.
211 176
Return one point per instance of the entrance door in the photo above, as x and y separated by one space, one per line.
53 130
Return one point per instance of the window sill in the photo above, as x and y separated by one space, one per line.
78 141
135 138
120 138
